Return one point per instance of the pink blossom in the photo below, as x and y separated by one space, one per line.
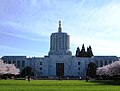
111 69
8 68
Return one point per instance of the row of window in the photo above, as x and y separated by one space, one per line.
101 63
61 43
17 63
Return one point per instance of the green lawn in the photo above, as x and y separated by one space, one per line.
55 85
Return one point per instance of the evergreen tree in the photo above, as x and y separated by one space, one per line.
87 53
78 52
83 51
90 51
91 70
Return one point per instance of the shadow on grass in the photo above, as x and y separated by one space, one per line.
106 82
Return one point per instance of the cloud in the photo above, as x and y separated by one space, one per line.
9 51
28 37
100 29
93 22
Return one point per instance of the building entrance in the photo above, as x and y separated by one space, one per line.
60 69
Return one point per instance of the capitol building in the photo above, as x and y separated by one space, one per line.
59 61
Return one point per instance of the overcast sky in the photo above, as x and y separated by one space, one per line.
26 25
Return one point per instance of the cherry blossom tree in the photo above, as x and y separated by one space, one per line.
8 68
111 69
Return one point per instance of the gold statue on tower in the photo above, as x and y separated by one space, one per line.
59 28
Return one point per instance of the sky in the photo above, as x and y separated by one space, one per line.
26 26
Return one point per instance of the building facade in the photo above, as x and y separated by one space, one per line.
59 61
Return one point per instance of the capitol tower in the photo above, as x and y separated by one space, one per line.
59 43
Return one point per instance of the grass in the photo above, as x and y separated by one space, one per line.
55 85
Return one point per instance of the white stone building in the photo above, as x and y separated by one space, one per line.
59 61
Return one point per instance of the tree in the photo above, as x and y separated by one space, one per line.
110 69
83 53
27 71
8 69
78 52
91 70
89 52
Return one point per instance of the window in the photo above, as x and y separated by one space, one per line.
101 63
13 62
23 63
78 63
110 61
9 62
78 68
105 62
40 63
18 64
96 62
78 73
40 68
